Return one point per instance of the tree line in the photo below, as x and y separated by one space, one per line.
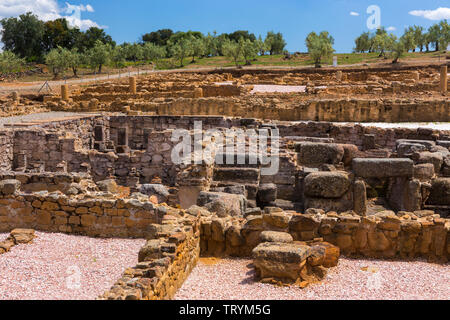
61 47
415 37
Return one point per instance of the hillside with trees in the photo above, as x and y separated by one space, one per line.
65 50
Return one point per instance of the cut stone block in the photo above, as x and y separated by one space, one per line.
316 154
326 184
383 168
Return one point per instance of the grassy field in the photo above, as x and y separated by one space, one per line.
300 60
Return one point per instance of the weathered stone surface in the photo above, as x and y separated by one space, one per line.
223 203
435 158
428 144
424 172
440 192
276 219
273 236
383 168
315 154
157 190
109 185
360 197
327 184
324 254
21 236
280 260
406 149
151 250
8 187
267 193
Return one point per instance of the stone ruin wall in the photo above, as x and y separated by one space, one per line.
167 259
176 238
95 217
371 95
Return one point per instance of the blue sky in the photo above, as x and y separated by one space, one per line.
128 20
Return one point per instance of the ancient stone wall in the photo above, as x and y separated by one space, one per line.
384 235
95 216
164 263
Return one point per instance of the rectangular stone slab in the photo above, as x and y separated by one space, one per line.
383 168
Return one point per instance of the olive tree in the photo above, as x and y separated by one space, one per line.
153 52
58 60
181 49
319 46
10 62
233 50
99 55
249 50
198 48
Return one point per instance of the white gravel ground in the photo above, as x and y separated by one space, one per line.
64 267
390 280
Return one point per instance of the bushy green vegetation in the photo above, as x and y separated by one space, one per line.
63 47
437 37
9 62
320 46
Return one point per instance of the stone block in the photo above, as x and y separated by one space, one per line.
383 168
326 184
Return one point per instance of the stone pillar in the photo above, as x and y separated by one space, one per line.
360 197
133 85
444 79
65 92
15 97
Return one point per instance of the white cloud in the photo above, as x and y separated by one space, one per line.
438 14
353 13
49 10
391 28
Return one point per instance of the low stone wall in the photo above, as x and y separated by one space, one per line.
95 217
384 235
164 263
46 181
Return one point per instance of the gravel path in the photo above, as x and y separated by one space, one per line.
65 267
37 116
409 125
385 280
268 88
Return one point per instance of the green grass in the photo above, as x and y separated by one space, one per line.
299 61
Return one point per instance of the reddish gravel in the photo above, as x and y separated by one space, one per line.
47 269
390 280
